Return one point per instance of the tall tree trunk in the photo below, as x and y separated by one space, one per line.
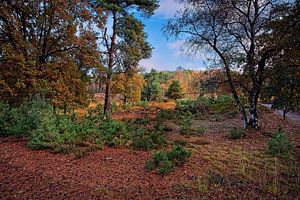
238 103
111 52
253 120
107 100
125 100
236 98
257 79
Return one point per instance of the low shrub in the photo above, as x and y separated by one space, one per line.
141 141
217 117
200 130
114 132
22 120
144 104
220 105
60 133
178 155
186 124
142 121
63 133
160 163
183 106
95 115
166 114
5 118
47 135
236 133
146 141
159 127
280 146
164 162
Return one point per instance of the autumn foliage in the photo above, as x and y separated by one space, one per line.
46 48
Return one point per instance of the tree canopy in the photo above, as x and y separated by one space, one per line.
231 30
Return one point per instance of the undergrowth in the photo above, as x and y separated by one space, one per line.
164 162
280 146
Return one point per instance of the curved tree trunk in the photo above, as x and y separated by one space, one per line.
232 88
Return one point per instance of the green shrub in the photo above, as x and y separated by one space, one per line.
47 135
114 132
236 133
164 162
5 117
200 129
186 124
221 105
160 162
280 145
22 120
141 141
159 127
146 141
217 117
64 133
185 106
166 114
157 139
178 155
144 104
141 121
165 167
95 115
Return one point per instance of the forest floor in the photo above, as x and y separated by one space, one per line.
219 168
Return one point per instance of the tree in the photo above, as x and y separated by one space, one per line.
230 30
152 87
130 51
174 91
41 51
129 86
119 12
283 85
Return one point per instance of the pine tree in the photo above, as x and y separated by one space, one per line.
174 91
119 11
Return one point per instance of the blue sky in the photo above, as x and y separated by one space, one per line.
166 53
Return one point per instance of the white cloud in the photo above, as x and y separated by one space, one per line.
149 64
178 49
175 45
167 8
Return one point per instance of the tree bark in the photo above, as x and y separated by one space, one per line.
257 79
253 120
111 52
284 113
236 98
240 106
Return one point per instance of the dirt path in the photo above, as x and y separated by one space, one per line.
291 115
